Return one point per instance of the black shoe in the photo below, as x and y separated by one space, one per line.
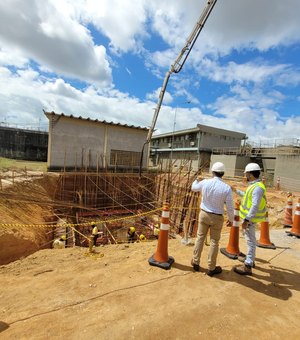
217 270
195 266
243 270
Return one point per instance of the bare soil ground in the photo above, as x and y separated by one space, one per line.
115 293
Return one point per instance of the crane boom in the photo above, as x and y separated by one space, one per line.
181 59
177 66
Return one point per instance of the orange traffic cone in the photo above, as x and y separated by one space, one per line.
264 240
161 258
295 231
288 215
232 251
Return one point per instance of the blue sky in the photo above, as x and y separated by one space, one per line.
107 60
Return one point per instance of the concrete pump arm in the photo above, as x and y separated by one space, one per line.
178 64
181 59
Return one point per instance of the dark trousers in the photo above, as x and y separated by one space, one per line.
95 239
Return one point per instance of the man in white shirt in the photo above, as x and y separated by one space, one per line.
215 193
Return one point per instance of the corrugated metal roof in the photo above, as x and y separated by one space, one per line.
202 128
49 114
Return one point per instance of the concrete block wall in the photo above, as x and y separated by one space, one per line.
287 168
81 143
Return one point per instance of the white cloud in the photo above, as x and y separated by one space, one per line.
54 44
53 39
121 21
24 98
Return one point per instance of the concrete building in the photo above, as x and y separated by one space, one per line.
194 144
85 144
279 162
23 144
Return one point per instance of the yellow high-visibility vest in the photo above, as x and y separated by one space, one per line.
95 231
247 203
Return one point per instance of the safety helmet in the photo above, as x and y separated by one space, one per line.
132 229
93 223
142 237
252 167
218 167
63 237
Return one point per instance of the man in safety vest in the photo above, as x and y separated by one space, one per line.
142 237
156 230
252 211
131 235
95 233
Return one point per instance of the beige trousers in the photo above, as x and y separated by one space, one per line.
214 224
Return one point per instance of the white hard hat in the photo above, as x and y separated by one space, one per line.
252 167
218 167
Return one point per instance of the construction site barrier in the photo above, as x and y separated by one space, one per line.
232 250
264 240
295 231
288 214
161 258
84 224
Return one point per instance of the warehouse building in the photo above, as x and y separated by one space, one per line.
85 144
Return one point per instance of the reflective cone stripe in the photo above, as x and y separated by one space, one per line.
161 254
288 216
165 220
264 240
161 258
296 224
236 219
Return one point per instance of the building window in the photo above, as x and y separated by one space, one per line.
125 158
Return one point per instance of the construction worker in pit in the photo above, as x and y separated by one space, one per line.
95 233
156 230
60 242
142 237
131 235
252 211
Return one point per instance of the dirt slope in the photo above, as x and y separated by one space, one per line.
116 294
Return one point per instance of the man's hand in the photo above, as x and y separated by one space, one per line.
228 224
245 224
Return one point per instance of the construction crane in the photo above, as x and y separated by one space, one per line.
177 66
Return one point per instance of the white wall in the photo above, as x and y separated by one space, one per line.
288 169
79 143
